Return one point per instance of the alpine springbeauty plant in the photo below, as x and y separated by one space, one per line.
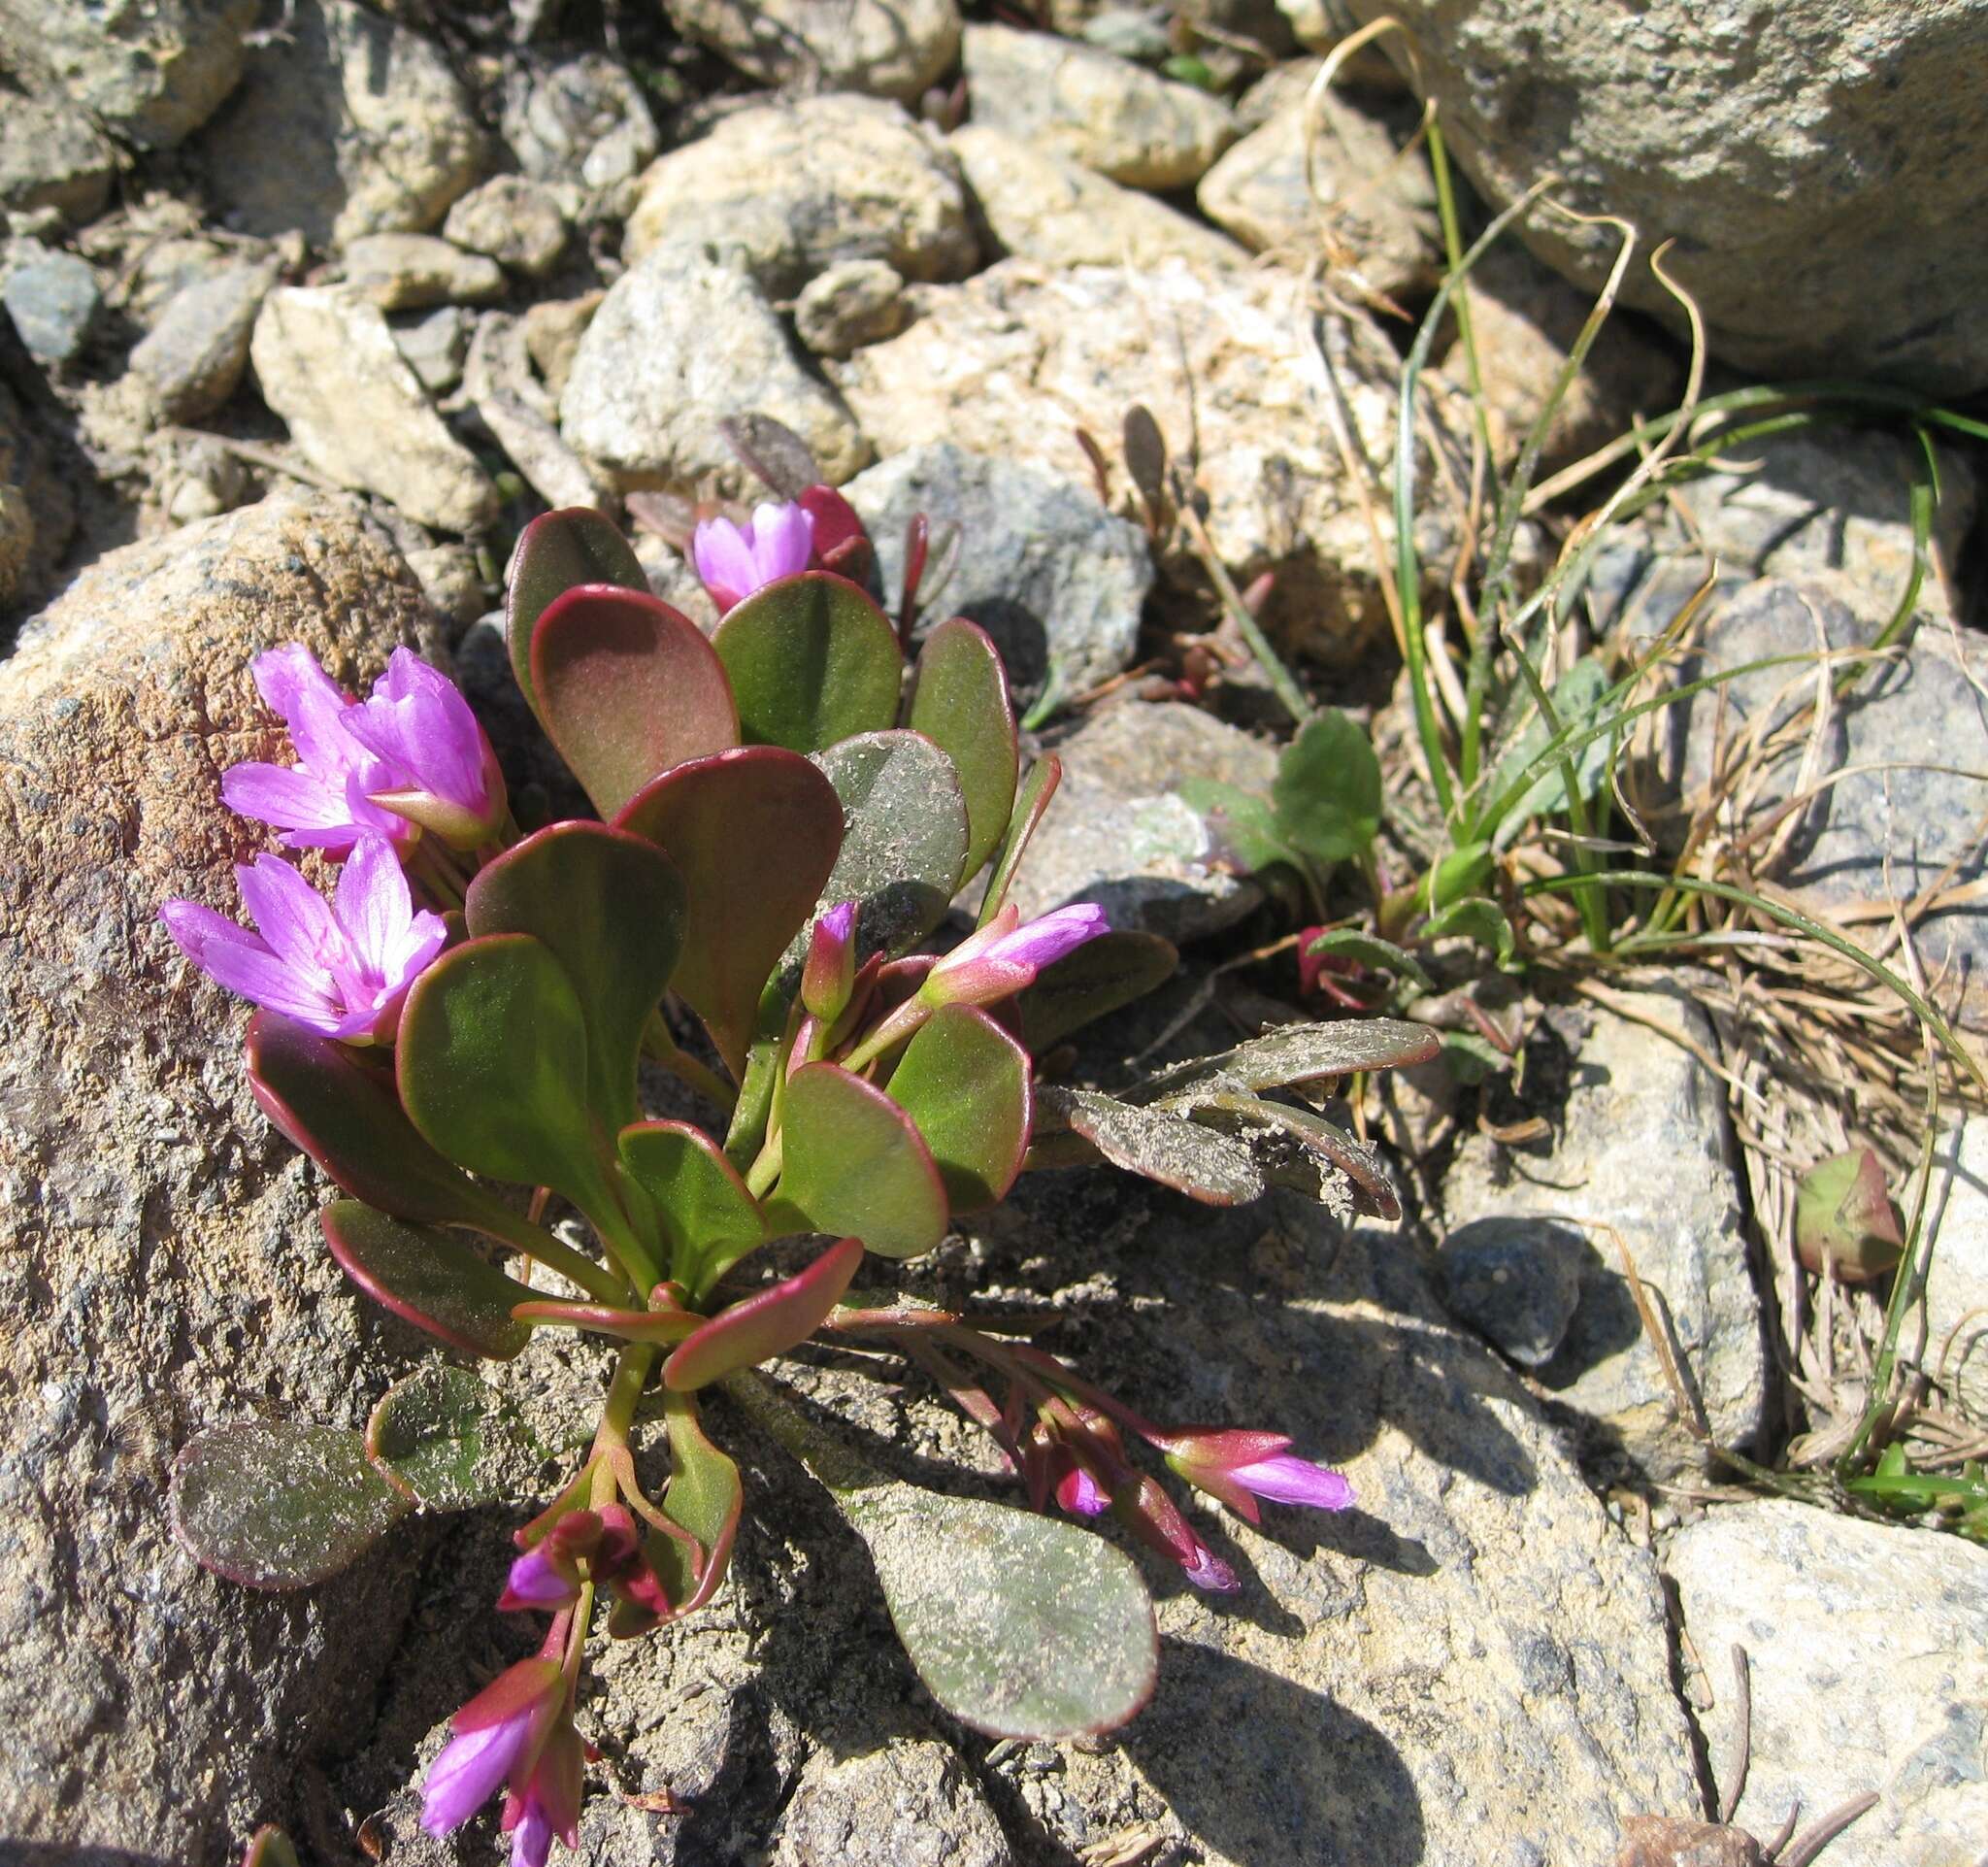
458 1037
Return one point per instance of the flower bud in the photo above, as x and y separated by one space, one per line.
829 977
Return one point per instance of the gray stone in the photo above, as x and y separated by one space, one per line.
1042 206
435 346
1515 1281
552 330
345 125
159 1268
1643 1155
585 122
757 189
193 356
883 48
53 156
52 301
1955 1354
1865 1644
1054 578
1117 833
1373 213
1113 117
1812 157
853 302
413 271
149 70
198 477
523 417
327 364
1888 829
1016 360
909 1801
515 221
680 343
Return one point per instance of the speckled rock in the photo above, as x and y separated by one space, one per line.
414 271
1118 835
1956 1351
193 356
853 302
907 1801
757 190
678 342
1515 1281
376 132
585 122
150 73
434 346
1053 577
1865 1643
1042 206
515 221
881 47
1113 117
1645 1148
160 1271
52 301
327 364
53 156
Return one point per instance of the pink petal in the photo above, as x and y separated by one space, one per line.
306 698
1285 1480
723 557
234 957
291 914
467 1773
374 908
284 795
783 542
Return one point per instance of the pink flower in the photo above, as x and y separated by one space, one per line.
321 801
500 1733
339 968
439 769
1239 1467
1005 956
549 1804
735 560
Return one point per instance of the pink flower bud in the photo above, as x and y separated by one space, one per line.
499 1734
1005 956
735 560
830 974
1239 1467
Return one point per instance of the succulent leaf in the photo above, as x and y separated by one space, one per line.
446 1439
965 1082
811 661
961 703
854 1165
557 552
433 1278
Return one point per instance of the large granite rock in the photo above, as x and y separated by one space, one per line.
883 48
1016 360
159 1267
1644 1154
53 156
1865 1644
149 70
1812 157
1955 1354
346 124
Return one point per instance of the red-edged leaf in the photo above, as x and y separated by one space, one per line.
433 1278
841 544
854 1164
754 834
708 1218
1031 800
703 1498
961 704
767 1323
811 661
556 552
664 1326
965 1082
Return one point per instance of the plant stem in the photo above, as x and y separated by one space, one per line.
661 1047
765 1170
1282 684
534 1242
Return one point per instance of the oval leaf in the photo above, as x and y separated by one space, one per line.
904 851
811 661
269 1847
493 1066
708 1218
349 1120
1103 975
556 552
767 1323
965 1082
754 834
1020 1627
1330 1159
1327 789
1303 1053
1031 800
854 1165
1156 1145
610 908
446 1440
279 1506
431 1278
627 687
961 703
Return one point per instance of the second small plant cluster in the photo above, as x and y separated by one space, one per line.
786 815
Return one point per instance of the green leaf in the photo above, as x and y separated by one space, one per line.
1101 977
755 833
448 1439
1158 1145
1578 699
493 1067
1244 824
609 907
433 1278
346 1116
854 1165
269 1847
1369 950
766 1324
703 1499
811 661
1327 791
961 703
1477 917
1302 1053
1031 800
1457 876
279 1506
665 1327
627 687
1470 1059
556 552
1018 1624
903 839
965 1082
709 1219
1845 1225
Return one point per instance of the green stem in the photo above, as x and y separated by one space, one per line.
1282 684
534 1242
663 1048
766 1169
632 1369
